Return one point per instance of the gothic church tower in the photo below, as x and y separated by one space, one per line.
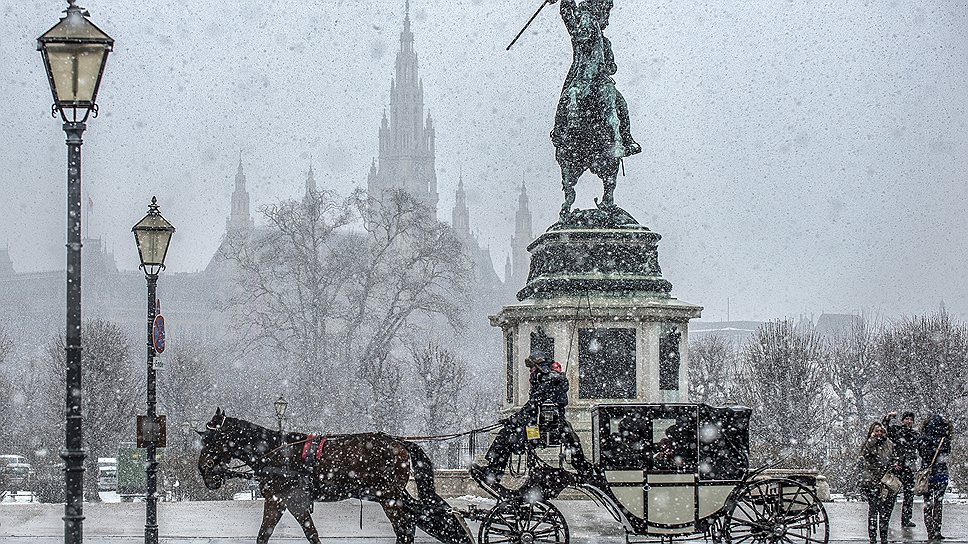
239 220
523 236
406 159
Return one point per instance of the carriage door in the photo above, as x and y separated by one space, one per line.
671 491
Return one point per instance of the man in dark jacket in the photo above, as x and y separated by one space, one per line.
934 448
905 439
548 385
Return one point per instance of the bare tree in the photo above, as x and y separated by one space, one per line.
784 383
441 380
112 391
853 377
713 369
6 345
923 362
186 387
6 389
335 285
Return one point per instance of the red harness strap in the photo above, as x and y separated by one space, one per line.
319 449
308 446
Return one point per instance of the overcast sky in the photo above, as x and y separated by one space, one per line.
799 156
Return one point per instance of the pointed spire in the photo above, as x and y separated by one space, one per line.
406 37
240 176
460 218
310 182
239 218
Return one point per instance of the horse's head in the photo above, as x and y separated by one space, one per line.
217 449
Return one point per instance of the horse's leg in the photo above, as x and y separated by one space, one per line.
569 178
608 174
271 514
404 525
302 512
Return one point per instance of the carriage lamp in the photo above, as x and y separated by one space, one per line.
152 234
280 405
74 52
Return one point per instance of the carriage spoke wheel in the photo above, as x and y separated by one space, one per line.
776 511
512 522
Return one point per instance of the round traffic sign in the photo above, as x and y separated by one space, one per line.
158 333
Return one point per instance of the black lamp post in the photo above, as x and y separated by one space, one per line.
280 406
152 234
75 52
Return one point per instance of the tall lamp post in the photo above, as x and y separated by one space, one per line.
152 234
280 406
75 52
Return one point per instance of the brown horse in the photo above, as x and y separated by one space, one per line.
293 470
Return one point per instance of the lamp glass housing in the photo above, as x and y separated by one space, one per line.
281 406
153 234
75 52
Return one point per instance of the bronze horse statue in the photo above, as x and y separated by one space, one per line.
591 129
294 469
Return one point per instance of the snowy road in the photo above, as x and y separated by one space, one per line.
238 521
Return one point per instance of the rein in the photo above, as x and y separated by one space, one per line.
234 473
451 436
250 474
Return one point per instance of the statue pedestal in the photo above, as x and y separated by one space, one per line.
596 301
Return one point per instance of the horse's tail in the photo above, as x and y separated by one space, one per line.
430 510
423 473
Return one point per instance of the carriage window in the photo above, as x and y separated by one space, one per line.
669 358
606 363
674 447
509 348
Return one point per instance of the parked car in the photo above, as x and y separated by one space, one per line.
16 473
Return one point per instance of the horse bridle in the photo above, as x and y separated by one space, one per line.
222 470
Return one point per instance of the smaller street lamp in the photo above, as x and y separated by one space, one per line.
280 406
152 234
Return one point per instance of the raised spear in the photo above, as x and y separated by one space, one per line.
526 25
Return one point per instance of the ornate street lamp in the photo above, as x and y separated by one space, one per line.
75 52
280 406
152 234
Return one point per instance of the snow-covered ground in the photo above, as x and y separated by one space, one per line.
238 521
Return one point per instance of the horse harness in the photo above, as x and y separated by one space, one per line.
312 450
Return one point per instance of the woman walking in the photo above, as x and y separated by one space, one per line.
879 460
933 448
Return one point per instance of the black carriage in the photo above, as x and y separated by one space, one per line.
664 471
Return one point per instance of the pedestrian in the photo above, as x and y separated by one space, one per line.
934 447
878 461
905 439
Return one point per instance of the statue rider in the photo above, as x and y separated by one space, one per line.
592 120
548 385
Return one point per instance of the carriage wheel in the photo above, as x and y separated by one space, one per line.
776 511
512 522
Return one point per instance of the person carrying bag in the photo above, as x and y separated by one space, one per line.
880 483
932 480
922 478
